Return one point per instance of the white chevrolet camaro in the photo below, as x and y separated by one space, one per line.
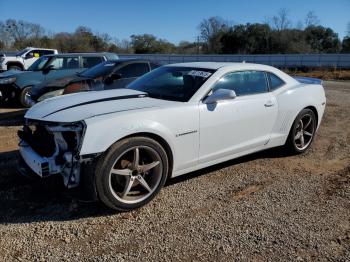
122 145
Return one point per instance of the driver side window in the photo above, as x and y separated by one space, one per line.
60 63
32 54
244 82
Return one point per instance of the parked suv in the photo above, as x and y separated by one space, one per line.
23 59
14 85
108 75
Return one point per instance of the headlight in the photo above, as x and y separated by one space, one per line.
51 94
6 81
2 59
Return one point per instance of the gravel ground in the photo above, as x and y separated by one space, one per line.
262 207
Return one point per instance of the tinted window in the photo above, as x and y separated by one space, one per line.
39 64
172 83
244 82
102 69
91 61
33 53
45 52
58 63
275 81
133 70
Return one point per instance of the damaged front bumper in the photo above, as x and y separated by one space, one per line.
52 148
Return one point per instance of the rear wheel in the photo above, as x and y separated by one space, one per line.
22 96
302 132
131 173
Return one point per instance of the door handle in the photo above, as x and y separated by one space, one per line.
269 104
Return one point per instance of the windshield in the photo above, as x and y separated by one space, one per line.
39 64
172 83
22 52
99 70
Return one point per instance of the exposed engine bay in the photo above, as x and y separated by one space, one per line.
53 148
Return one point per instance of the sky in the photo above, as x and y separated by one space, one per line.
173 20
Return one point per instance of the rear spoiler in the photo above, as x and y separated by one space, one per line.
308 80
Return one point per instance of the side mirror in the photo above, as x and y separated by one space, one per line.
219 95
114 76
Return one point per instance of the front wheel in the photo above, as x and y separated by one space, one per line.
131 173
302 132
22 96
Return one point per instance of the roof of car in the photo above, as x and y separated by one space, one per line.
39 48
80 54
130 60
216 65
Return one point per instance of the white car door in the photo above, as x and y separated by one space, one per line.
240 124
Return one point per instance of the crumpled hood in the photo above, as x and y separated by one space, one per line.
10 73
80 106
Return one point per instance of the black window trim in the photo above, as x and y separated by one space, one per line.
269 81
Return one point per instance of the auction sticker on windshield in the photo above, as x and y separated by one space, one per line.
199 73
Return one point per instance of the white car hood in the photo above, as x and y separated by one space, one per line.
80 106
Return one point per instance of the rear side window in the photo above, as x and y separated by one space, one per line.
133 70
275 81
45 52
244 82
90 61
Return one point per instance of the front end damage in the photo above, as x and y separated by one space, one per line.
52 148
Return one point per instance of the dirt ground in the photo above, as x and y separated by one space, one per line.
264 207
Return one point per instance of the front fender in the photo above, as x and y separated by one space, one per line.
98 139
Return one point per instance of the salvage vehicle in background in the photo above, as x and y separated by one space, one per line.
23 59
108 75
123 144
14 84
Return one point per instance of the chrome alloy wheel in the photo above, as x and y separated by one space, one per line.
304 132
136 174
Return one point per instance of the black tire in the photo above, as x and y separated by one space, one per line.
107 161
22 96
291 145
14 67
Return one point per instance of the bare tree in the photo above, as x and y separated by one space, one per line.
311 19
348 29
281 21
210 32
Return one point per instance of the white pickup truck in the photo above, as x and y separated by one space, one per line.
23 59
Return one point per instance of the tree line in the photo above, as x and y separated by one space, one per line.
276 35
